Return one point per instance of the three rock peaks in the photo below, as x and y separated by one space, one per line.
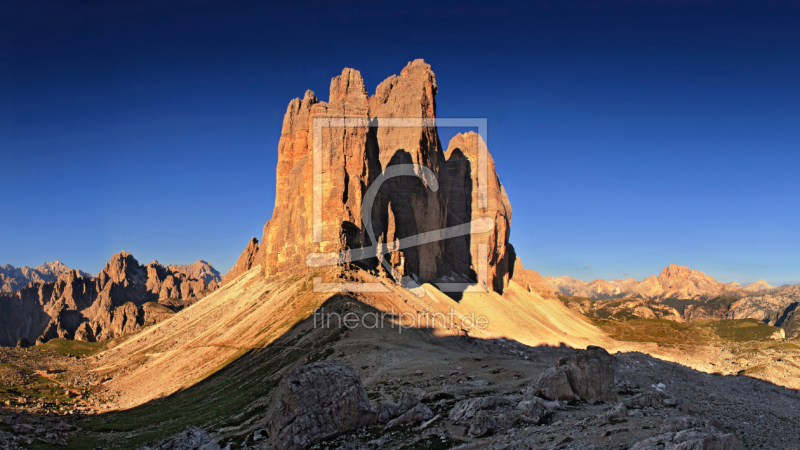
319 201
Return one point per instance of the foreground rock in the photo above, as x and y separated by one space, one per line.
316 402
689 433
193 438
588 376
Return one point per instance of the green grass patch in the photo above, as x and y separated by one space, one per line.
71 347
741 330
665 331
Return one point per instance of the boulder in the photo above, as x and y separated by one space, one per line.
533 411
468 409
388 411
553 384
193 438
591 374
315 402
415 415
482 424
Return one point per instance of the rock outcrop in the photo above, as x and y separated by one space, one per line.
467 204
530 280
384 150
97 308
249 258
13 279
193 438
315 402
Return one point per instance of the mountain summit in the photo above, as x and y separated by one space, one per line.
351 197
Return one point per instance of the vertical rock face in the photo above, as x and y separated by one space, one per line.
99 308
467 203
358 137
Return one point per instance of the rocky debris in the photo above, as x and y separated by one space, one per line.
193 438
315 402
481 424
618 412
99 308
415 415
689 433
649 399
22 428
384 412
467 409
591 374
247 260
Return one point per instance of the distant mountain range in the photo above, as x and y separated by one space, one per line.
60 303
674 282
200 269
14 278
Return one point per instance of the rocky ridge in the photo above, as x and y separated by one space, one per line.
124 296
15 278
200 270
674 282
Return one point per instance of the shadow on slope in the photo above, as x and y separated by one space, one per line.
232 402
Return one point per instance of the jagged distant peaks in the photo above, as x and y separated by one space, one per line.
202 270
674 282
115 302
14 278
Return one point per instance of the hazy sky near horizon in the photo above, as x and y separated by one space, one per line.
629 134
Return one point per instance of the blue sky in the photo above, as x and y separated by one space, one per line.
629 135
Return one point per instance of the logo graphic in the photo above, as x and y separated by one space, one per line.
477 226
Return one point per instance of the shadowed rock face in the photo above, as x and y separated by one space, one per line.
467 203
358 137
99 308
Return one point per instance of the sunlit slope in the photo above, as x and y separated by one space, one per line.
250 313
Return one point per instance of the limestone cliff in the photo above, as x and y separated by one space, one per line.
352 143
